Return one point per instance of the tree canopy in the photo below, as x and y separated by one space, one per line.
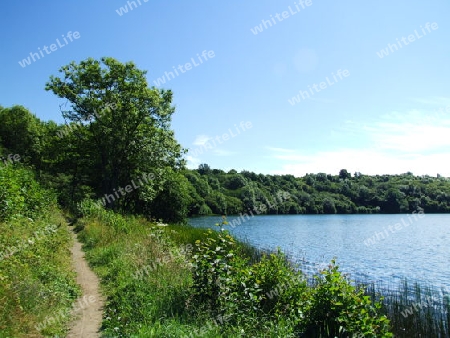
123 129
319 193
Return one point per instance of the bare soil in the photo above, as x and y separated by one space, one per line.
88 309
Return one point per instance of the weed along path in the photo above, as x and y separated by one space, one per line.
88 309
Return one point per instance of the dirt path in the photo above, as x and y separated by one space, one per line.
88 309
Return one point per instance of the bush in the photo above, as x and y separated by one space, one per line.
226 285
338 309
20 194
271 292
212 269
205 210
90 208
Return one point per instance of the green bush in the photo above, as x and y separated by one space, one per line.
227 285
212 269
271 293
205 210
20 194
339 309
90 208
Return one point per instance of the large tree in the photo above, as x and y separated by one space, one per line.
123 127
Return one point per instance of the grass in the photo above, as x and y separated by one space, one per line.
37 285
415 310
145 274
144 298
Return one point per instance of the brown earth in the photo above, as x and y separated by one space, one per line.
88 309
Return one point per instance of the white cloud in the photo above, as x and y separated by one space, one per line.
201 140
398 143
368 162
204 146
413 132
192 162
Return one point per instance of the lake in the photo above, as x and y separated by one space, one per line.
379 248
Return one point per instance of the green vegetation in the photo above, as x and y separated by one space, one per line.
37 285
179 281
145 275
122 153
218 192
116 146
219 289
415 310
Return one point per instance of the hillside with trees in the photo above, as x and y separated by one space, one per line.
232 193
84 161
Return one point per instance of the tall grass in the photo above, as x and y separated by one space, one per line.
37 285
144 298
36 282
414 310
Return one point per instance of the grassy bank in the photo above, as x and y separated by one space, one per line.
37 285
179 281
145 273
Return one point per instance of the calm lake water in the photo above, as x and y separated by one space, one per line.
380 248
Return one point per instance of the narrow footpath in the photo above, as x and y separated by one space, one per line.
88 309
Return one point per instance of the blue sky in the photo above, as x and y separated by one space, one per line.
388 115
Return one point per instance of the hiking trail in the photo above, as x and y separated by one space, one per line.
88 309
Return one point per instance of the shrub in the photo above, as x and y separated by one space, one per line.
271 292
20 194
205 210
226 284
212 269
339 309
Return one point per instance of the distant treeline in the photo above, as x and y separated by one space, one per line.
74 166
231 192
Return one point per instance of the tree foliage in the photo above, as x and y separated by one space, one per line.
321 193
123 129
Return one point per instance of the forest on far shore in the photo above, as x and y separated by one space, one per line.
232 193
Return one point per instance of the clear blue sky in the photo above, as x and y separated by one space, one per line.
390 114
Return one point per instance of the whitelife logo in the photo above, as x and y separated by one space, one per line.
49 49
211 142
9 160
280 17
187 66
110 198
129 6
411 38
323 85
